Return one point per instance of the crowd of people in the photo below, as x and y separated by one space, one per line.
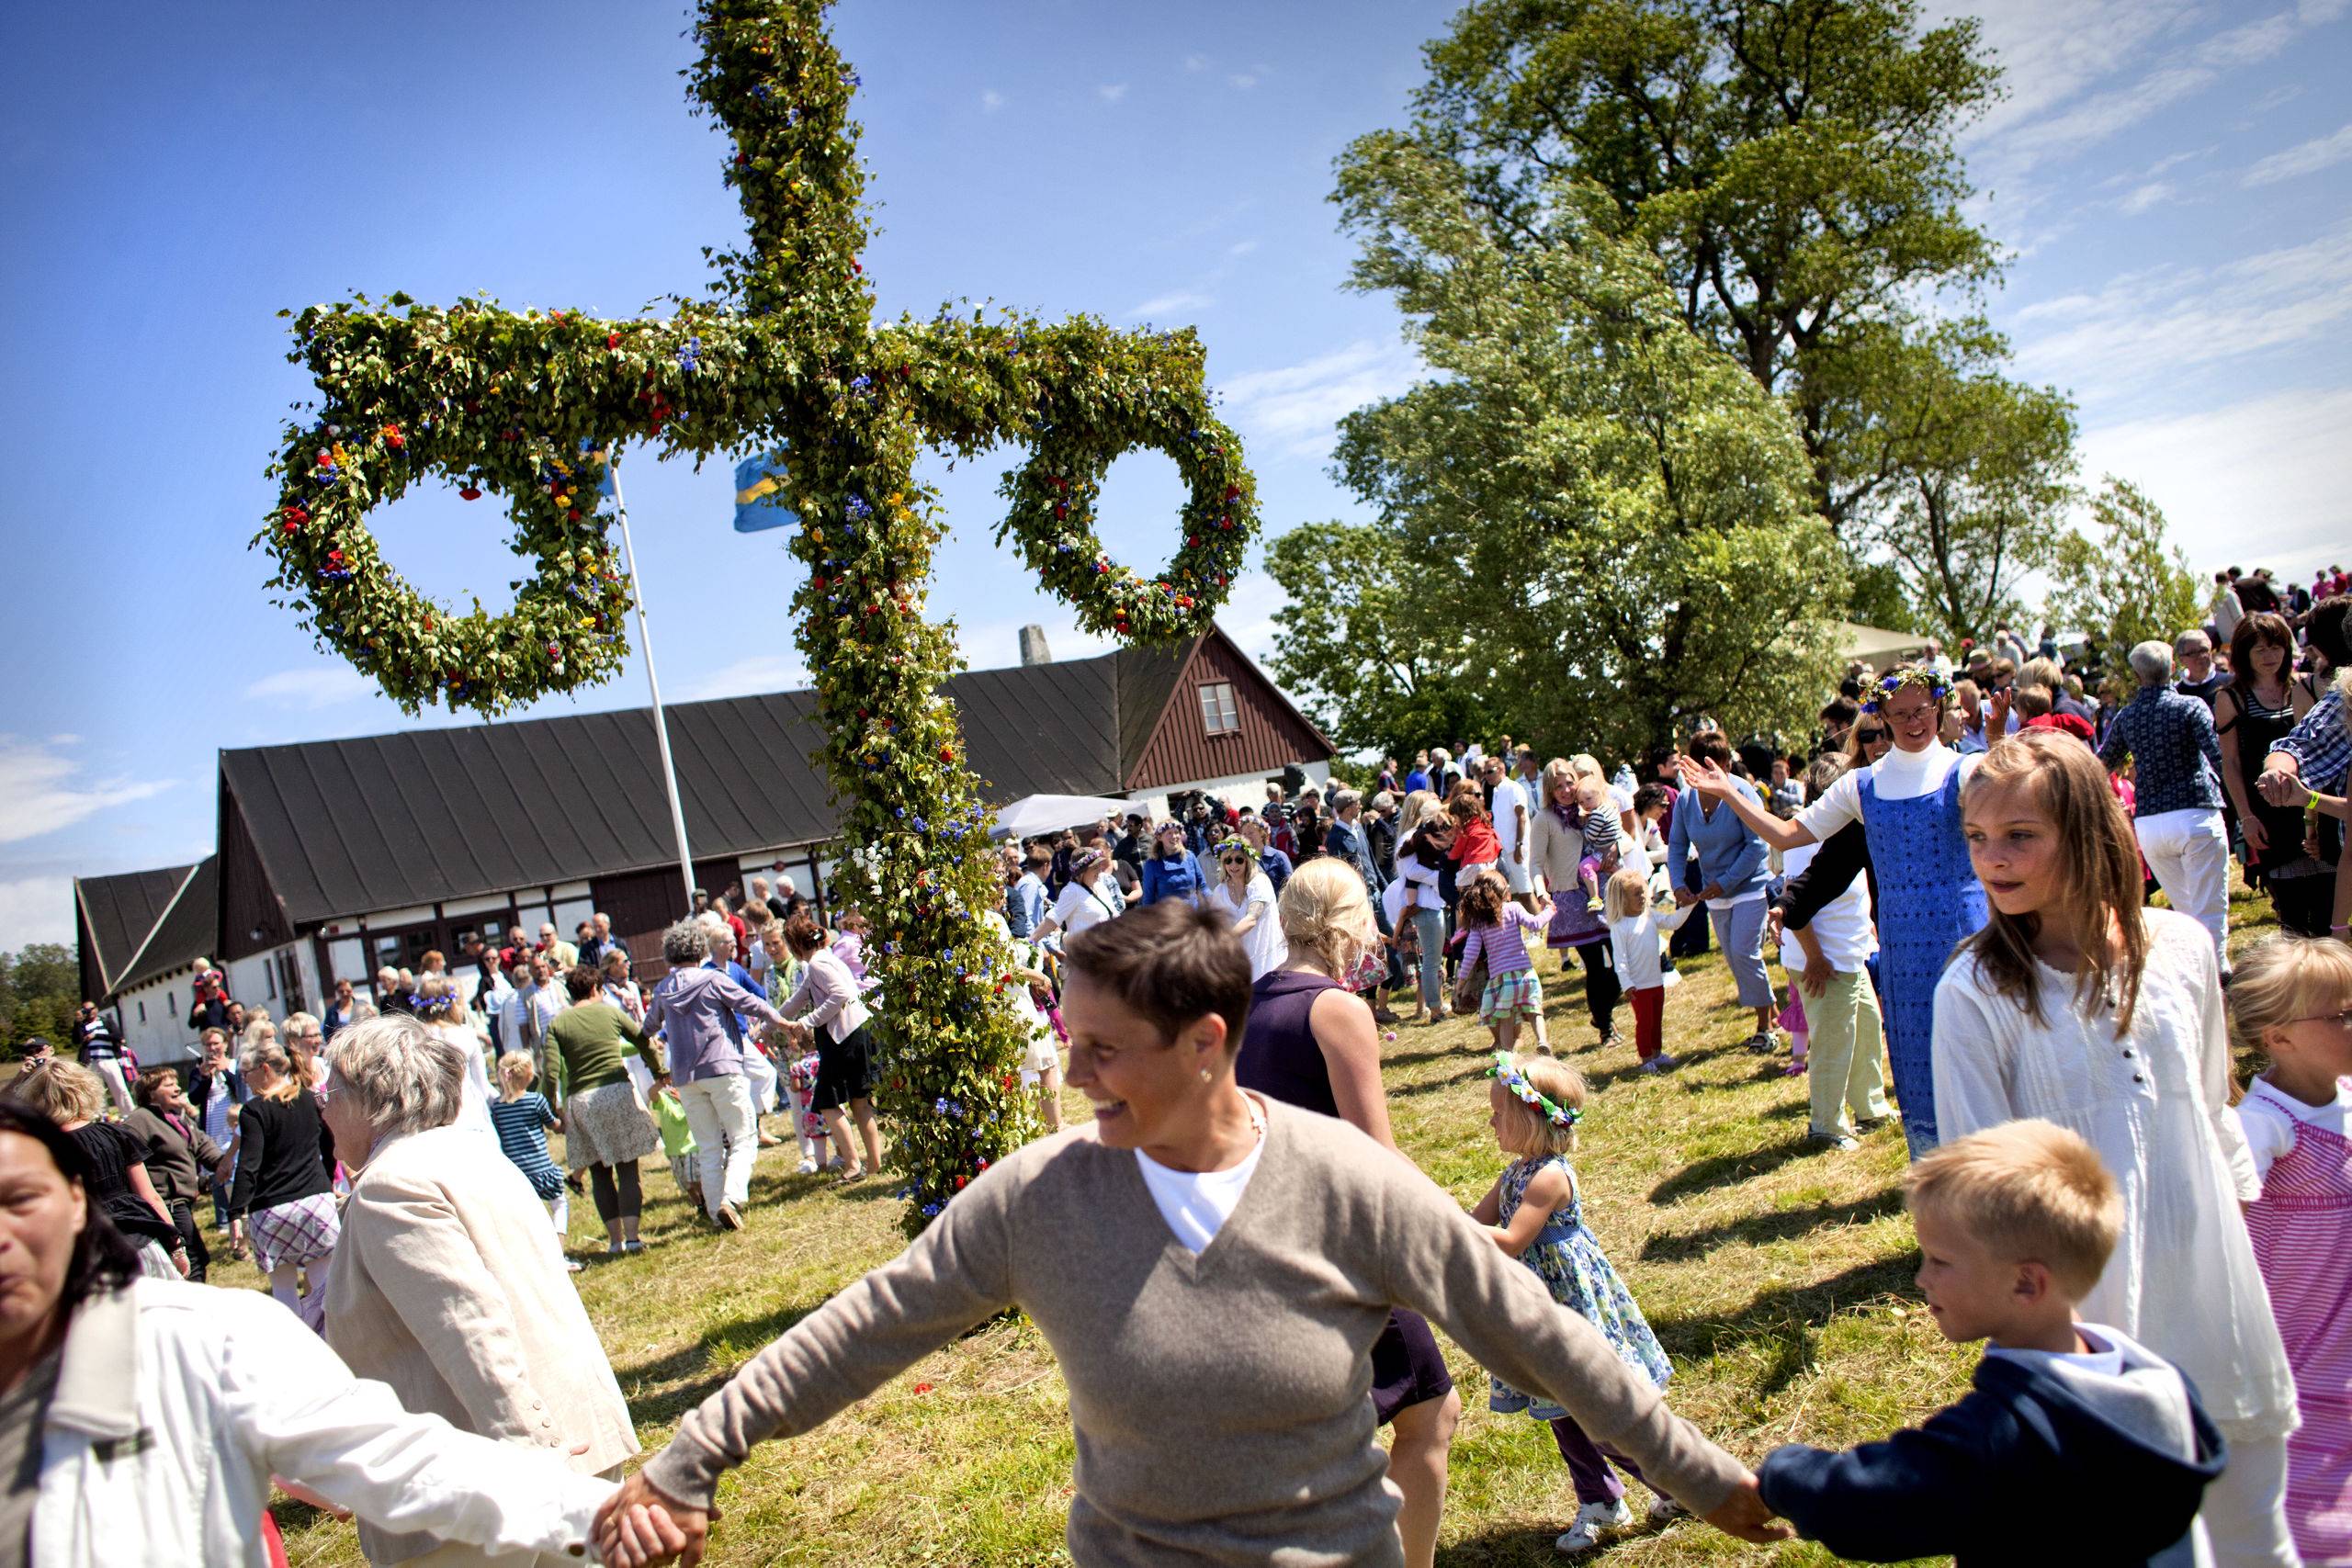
1956 879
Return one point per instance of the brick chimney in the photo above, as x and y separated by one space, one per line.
1033 645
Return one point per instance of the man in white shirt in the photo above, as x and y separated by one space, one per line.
1508 802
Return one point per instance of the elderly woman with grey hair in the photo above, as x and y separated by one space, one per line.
697 1012
2177 814
448 1286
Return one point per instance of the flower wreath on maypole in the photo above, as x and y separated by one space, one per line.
786 362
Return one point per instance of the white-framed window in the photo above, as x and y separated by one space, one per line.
1220 713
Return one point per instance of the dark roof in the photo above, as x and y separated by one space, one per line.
187 930
115 915
344 828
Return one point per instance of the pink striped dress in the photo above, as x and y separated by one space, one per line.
2301 1229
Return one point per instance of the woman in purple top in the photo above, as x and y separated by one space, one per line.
1556 845
695 1011
1310 1042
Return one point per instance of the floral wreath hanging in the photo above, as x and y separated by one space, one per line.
1506 1072
1921 675
786 360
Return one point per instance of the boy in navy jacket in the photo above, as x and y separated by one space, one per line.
2077 1445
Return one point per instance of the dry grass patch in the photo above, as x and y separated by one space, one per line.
1776 1273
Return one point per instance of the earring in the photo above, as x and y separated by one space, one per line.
1205 1075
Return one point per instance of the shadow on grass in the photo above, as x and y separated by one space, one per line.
1431 1085
1725 1171
1670 1247
1784 1324
671 1384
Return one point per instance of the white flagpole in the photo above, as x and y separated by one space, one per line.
660 725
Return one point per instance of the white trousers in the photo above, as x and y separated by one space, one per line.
762 1073
2189 853
2244 1513
109 1071
718 1111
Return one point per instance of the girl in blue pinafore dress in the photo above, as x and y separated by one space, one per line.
1537 1212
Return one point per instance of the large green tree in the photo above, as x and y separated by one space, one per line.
1590 521
1792 165
2129 584
39 989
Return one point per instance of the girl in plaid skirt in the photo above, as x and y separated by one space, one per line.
1498 929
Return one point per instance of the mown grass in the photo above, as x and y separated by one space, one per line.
1776 1274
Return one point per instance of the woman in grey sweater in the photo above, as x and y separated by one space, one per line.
1211 1269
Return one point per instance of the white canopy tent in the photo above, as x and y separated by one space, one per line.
1034 814
1878 648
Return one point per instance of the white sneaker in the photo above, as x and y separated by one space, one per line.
1664 1508
1591 1519
807 1166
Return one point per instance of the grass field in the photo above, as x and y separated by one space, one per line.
1776 1274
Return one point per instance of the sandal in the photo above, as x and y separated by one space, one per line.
850 1174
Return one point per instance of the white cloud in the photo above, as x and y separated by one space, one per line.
1196 63
755 675
312 686
1171 303
1242 80
1294 409
2320 153
40 790
36 908
1111 92
2144 330
2155 193
1241 248
2263 482
992 100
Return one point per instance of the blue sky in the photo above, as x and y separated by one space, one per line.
2172 175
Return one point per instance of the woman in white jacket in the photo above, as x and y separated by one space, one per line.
143 1421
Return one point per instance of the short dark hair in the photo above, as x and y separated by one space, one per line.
151 1084
1711 746
1647 796
102 1257
2325 627
583 981
1841 712
1170 963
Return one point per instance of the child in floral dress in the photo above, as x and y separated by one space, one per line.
1537 1212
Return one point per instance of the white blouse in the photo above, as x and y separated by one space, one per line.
1264 941
2155 1104
1898 775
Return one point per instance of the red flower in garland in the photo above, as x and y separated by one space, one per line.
394 438
470 492
295 516
612 340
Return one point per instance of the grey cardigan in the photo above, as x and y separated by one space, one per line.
1220 1402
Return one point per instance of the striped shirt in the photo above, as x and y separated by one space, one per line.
1504 947
521 1123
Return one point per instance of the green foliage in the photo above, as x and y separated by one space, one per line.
1367 646
1598 523
39 991
786 361
2128 585
1792 164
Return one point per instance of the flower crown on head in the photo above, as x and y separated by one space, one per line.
1921 675
1507 1072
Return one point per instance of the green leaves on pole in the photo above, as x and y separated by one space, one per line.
787 356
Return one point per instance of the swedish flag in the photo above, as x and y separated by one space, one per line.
758 494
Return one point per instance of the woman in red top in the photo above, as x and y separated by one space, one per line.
1476 848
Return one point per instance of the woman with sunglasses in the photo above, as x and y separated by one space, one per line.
1245 896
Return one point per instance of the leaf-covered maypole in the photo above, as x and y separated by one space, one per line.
785 360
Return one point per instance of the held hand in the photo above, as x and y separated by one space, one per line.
2281 786
1712 890
1684 898
638 1525
1743 1513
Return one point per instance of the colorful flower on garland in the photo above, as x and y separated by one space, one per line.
1921 675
